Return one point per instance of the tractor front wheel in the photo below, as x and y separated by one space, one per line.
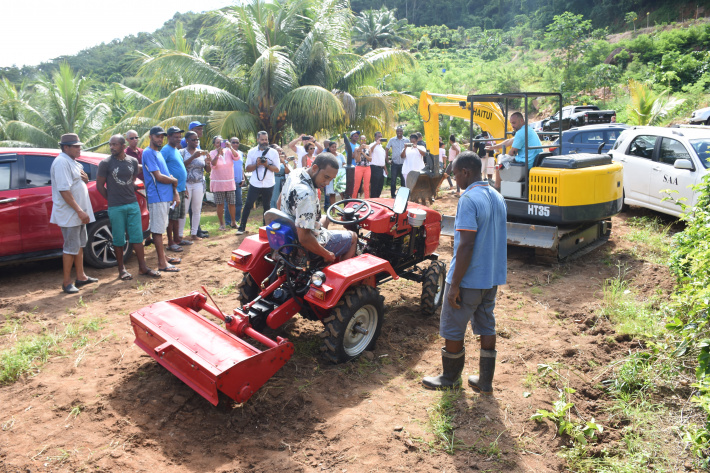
353 325
248 289
433 287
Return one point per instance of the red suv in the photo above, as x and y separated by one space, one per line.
26 205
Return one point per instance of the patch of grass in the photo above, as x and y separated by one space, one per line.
441 421
10 325
226 290
307 347
29 353
537 290
646 440
626 313
651 237
75 411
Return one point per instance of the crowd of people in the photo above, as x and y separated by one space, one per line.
173 168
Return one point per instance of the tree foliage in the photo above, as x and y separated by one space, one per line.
379 28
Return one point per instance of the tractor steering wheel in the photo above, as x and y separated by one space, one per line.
349 215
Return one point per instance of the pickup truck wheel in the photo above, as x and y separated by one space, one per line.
433 287
99 252
707 122
248 289
353 325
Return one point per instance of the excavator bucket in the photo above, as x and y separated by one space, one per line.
424 184
205 356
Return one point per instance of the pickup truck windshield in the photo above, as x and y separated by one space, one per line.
702 148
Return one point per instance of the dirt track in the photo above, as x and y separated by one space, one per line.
366 416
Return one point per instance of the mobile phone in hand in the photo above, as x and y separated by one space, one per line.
224 143
383 140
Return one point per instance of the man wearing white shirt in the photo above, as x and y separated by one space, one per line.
262 161
377 166
302 150
413 156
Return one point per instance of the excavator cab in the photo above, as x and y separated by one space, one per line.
561 205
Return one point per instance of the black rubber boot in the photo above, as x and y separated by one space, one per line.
453 366
483 383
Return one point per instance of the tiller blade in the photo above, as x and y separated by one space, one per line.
204 355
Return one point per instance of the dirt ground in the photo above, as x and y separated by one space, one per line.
107 406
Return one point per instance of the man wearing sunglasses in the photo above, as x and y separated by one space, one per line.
133 150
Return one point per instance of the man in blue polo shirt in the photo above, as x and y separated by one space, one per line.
177 170
161 191
518 147
478 267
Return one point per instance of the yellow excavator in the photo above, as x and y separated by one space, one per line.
561 206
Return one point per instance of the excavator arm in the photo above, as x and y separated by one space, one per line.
487 115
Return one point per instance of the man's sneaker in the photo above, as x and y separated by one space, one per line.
203 234
240 231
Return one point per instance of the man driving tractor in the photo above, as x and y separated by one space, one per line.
299 199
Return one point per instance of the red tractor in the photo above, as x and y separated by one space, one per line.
281 279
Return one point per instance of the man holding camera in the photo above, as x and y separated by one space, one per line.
262 162
303 151
377 166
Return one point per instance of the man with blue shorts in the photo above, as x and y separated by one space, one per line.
299 199
478 267
116 182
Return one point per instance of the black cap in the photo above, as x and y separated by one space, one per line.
174 129
157 130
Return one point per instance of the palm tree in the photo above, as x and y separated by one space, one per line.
38 115
648 107
379 28
282 64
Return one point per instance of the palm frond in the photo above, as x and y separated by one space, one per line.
16 144
237 123
272 76
94 119
172 69
133 97
310 109
199 100
21 131
376 64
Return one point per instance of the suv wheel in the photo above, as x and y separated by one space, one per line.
99 251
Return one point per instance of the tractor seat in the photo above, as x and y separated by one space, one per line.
286 232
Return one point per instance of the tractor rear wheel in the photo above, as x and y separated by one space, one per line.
433 287
353 325
248 289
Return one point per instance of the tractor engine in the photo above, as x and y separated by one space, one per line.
402 251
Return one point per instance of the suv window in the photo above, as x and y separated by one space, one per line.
593 137
702 149
642 146
671 150
5 176
612 135
37 170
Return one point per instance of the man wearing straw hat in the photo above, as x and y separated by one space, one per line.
71 210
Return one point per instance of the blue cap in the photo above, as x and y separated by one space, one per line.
194 125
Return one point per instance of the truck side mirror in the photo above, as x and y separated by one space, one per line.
400 200
684 164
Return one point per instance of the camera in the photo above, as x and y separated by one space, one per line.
224 143
263 160
307 137
383 140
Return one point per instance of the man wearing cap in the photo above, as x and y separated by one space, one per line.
197 127
71 210
377 166
396 146
352 156
116 182
134 151
262 162
177 170
161 191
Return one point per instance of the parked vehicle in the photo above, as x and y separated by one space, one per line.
579 115
656 159
26 205
700 117
587 139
